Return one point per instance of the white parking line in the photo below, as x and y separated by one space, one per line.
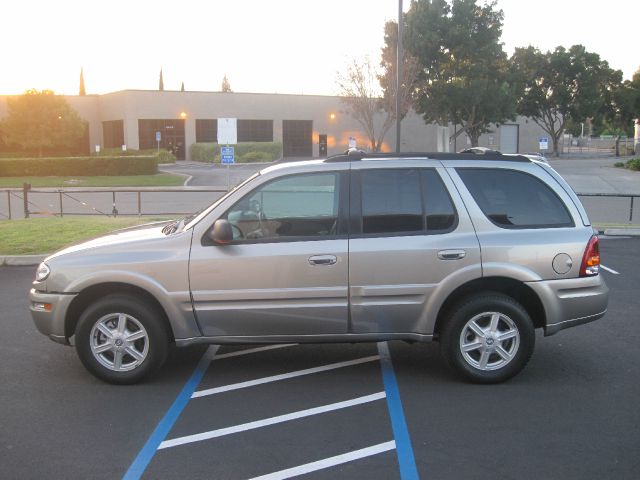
284 376
610 270
329 462
198 437
252 350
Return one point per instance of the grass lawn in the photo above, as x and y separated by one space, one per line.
45 235
158 180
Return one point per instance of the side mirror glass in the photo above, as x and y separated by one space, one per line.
221 233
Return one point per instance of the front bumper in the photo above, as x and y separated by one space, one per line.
570 302
50 321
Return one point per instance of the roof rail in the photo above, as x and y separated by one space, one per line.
354 154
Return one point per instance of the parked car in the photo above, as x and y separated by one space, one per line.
475 252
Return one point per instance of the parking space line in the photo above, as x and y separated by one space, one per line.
142 460
198 437
252 350
329 462
284 376
404 450
610 270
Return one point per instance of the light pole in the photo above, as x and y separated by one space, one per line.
398 75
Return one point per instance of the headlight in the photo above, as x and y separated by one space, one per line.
43 272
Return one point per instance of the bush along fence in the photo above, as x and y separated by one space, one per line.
245 152
79 166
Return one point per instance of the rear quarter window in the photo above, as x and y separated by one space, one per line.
514 199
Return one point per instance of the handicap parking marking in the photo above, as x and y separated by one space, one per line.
198 437
329 462
404 450
610 270
284 376
401 441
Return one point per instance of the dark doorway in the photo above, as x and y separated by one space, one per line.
297 138
171 135
322 145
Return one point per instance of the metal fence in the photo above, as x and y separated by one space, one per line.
611 208
26 202
596 146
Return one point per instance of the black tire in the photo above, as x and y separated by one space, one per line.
139 357
492 357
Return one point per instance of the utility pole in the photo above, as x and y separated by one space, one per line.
399 62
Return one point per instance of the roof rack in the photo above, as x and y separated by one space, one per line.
353 154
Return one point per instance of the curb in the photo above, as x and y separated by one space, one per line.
21 260
627 232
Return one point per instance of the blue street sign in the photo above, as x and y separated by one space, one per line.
227 156
158 137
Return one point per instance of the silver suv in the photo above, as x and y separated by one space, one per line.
473 251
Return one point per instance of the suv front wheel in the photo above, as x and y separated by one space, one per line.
120 339
489 338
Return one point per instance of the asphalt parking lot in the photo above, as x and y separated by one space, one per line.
328 411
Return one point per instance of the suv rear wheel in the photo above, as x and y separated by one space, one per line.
120 339
489 338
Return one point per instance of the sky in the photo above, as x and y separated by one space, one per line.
282 46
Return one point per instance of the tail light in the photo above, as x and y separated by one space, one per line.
591 260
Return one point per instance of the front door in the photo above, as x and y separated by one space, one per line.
286 271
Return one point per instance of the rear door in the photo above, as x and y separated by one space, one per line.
408 236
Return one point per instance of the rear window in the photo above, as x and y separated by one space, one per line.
405 201
513 199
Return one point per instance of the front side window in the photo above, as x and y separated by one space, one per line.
295 207
513 199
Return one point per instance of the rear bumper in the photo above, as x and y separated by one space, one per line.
572 301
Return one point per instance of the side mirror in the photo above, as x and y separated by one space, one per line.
221 233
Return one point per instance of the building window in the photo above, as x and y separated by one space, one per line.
206 130
255 130
113 133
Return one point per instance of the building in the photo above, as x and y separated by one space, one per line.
303 123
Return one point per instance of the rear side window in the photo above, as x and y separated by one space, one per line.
405 201
513 199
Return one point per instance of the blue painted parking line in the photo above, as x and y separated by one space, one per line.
404 450
143 459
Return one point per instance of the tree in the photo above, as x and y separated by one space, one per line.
359 91
182 87
226 86
39 120
559 86
82 91
161 82
463 70
387 79
623 108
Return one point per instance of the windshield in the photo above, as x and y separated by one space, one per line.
191 222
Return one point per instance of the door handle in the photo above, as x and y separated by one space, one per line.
451 254
323 259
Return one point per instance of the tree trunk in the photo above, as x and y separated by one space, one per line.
556 140
474 137
617 145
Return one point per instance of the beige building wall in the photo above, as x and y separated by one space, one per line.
131 105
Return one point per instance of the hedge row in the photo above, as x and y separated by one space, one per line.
78 166
245 152
164 156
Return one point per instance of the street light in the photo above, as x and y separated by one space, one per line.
183 115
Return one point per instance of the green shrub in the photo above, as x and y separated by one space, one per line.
204 152
619 164
244 152
78 166
633 164
164 156
254 157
